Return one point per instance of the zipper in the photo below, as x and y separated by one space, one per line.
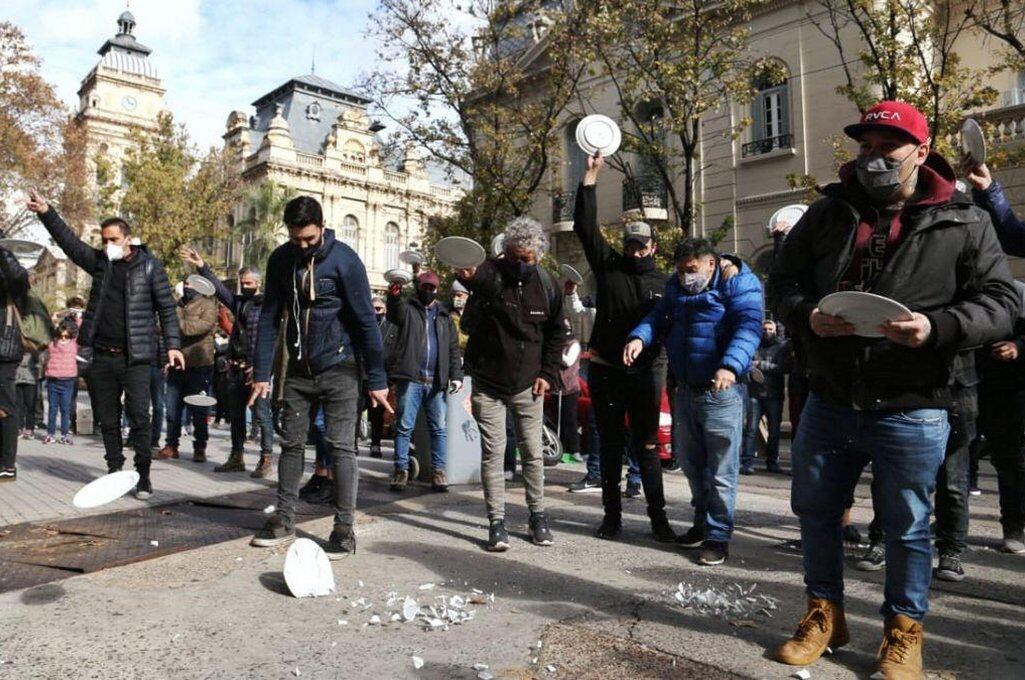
306 275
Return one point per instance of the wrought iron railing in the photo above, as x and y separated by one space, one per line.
562 206
760 146
642 193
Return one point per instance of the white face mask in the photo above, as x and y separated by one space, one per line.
693 282
115 252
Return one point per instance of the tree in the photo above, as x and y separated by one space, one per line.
1005 21
669 65
480 85
259 231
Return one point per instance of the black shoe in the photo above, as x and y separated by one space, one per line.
662 531
498 537
324 493
874 558
950 569
609 529
8 475
632 491
375 451
311 487
694 537
274 532
713 553
342 542
774 467
540 534
851 535
586 485
747 469
144 489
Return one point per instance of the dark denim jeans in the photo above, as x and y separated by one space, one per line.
109 377
181 384
832 446
709 429
238 398
58 396
409 397
1004 427
158 401
772 409
593 460
337 391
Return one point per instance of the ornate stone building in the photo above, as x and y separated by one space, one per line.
315 137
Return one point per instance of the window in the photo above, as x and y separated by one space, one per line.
770 117
576 159
350 231
391 245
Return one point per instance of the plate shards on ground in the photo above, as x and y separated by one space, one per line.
733 602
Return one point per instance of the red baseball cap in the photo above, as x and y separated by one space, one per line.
428 277
892 116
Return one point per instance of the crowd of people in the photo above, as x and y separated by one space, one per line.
920 401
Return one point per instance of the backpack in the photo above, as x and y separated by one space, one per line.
35 323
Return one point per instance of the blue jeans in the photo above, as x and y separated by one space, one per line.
157 397
409 397
832 446
593 460
710 437
181 384
772 409
58 394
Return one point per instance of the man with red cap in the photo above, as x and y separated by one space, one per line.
896 226
426 362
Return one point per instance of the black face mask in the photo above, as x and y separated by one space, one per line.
639 265
248 292
426 297
520 271
188 295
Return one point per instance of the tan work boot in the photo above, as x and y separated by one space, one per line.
263 468
198 452
900 655
823 626
167 452
235 463
399 479
439 482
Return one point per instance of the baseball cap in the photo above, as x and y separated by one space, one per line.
892 116
429 278
459 288
637 231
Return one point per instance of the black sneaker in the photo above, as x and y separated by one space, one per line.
540 534
662 531
874 558
950 569
324 493
144 489
694 537
375 451
311 487
851 535
632 491
586 485
273 533
713 553
498 537
609 529
342 542
8 475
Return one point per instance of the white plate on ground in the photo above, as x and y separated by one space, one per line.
598 133
201 285
571 274
786 217
106 489
865 311
399 276
459 252
411 257
200 400
307 570
498 244
973 143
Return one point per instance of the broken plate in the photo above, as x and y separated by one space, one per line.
201 400
307 570
105 489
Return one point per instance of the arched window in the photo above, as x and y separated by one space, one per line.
770 116
350 231
391 245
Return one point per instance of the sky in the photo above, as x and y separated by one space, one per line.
214 56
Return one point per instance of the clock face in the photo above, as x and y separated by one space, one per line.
129 102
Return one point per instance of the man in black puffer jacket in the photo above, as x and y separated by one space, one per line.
119 330
13 288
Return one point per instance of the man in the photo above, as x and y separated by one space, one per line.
711 317
14 287
628 288
197 319
375 414
317 287
516 331
895 226
426 362
119 331
245 308
765 397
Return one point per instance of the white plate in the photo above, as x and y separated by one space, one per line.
307 570
201 400
865 311
786 217
106 489
598 133
399 276
973 143
498 245
571 274
201 285
411 257
459 252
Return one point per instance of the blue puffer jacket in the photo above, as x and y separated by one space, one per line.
720 327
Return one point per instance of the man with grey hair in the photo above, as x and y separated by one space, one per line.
245 307
516 331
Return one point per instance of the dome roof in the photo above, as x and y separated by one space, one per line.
128 63
126 16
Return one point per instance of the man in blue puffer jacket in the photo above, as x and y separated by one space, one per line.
711 318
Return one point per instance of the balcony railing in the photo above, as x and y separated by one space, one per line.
1005 125
562 206
645 194
761 146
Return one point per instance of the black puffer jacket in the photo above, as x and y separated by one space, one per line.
409 318
148 294
948 266
13 288
624 296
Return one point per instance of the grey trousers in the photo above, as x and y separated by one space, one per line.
490 413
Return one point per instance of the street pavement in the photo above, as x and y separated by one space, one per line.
583 608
